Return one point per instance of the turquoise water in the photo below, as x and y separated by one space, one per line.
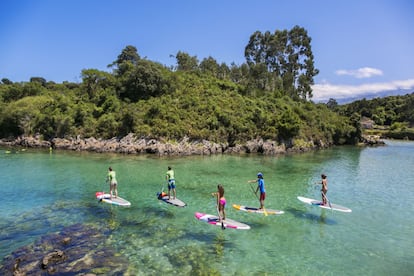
43 192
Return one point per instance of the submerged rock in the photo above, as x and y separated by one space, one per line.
76 250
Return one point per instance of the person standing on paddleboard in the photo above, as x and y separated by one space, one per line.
261 187
112 182
324 189
171 182
221 203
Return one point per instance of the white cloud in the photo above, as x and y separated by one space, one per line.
325 91
361 73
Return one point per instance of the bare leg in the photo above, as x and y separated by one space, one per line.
323 198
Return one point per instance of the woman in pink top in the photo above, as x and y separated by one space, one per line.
221 203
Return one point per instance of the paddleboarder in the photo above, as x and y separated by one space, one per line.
261 187
171 182
324 189
113 184
221 203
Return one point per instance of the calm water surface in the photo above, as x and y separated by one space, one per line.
43 193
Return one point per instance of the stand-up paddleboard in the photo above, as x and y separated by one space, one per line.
215 220
331 206
257 210
114 200
173 201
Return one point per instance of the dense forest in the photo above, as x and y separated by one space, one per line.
269 97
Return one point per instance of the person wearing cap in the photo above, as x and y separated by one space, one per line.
261 187
171 182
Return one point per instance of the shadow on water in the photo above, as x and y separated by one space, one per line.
322 218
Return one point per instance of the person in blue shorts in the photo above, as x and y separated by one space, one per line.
171 183
261 187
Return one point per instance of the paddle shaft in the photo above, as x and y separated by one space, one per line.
329 202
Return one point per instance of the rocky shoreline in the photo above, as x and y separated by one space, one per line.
131 144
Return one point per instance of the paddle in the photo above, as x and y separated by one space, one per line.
264 209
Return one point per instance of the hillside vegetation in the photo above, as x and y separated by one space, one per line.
391 117
267 97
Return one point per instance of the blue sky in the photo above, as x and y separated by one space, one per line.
360 46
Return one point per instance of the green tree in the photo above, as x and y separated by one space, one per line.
94 80
209 66
286 55
332 104
185 62
146 79
129 56
6 81
40 80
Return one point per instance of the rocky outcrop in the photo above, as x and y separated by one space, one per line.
76 250
131 144
372 140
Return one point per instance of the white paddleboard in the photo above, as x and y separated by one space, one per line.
318 203
173 201
257 210
215 220
103 197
